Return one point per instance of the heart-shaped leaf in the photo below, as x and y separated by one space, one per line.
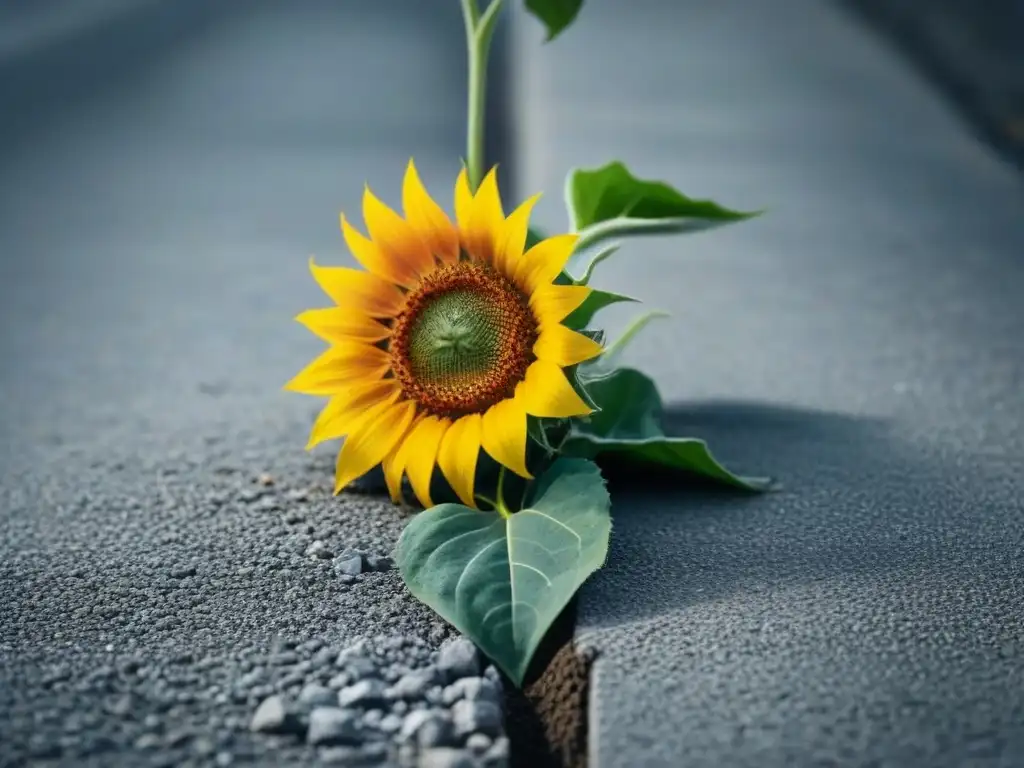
556 14
610 202
629 425
502 581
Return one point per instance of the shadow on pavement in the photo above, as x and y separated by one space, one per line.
850 508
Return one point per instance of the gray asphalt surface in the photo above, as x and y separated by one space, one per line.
862 343
165 179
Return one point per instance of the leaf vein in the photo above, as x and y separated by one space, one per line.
532 568
532 511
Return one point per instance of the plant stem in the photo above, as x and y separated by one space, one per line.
500 506
479 32
486 500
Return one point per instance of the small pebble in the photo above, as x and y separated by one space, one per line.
340 680
365 693
478 742
273 717
392 723
472 688
330 726
436 731
477 716
349 563
315 695
459 658
320 550
412 722
413 685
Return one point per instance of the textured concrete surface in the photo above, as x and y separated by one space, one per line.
164 183
862 342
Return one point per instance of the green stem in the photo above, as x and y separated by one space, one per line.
486 500
500 506
479 32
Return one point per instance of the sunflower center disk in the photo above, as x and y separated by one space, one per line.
463 341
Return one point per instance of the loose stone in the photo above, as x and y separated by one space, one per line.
273 717
459 658
330 726
413 685
315 695
477 716
349 563
478 742
365 693
436 731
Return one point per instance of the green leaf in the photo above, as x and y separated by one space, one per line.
503 581
556 14
629 425
537 431
593 261
580 317
609 202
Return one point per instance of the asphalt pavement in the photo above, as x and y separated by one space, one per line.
170 557
861 342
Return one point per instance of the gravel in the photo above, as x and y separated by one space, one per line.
244 649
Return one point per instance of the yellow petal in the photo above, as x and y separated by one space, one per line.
541 264
393 472
344 412
343 324
547 393
457 456
394 463
375 260
564 347
463 199
483 224
513 239
397 240
359 290
339 365
372 440
428 218
420 454
503 435
554 303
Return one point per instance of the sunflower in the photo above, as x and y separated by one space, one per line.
447 341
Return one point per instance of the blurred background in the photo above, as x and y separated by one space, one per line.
973 51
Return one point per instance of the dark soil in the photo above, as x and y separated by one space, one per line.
546 721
